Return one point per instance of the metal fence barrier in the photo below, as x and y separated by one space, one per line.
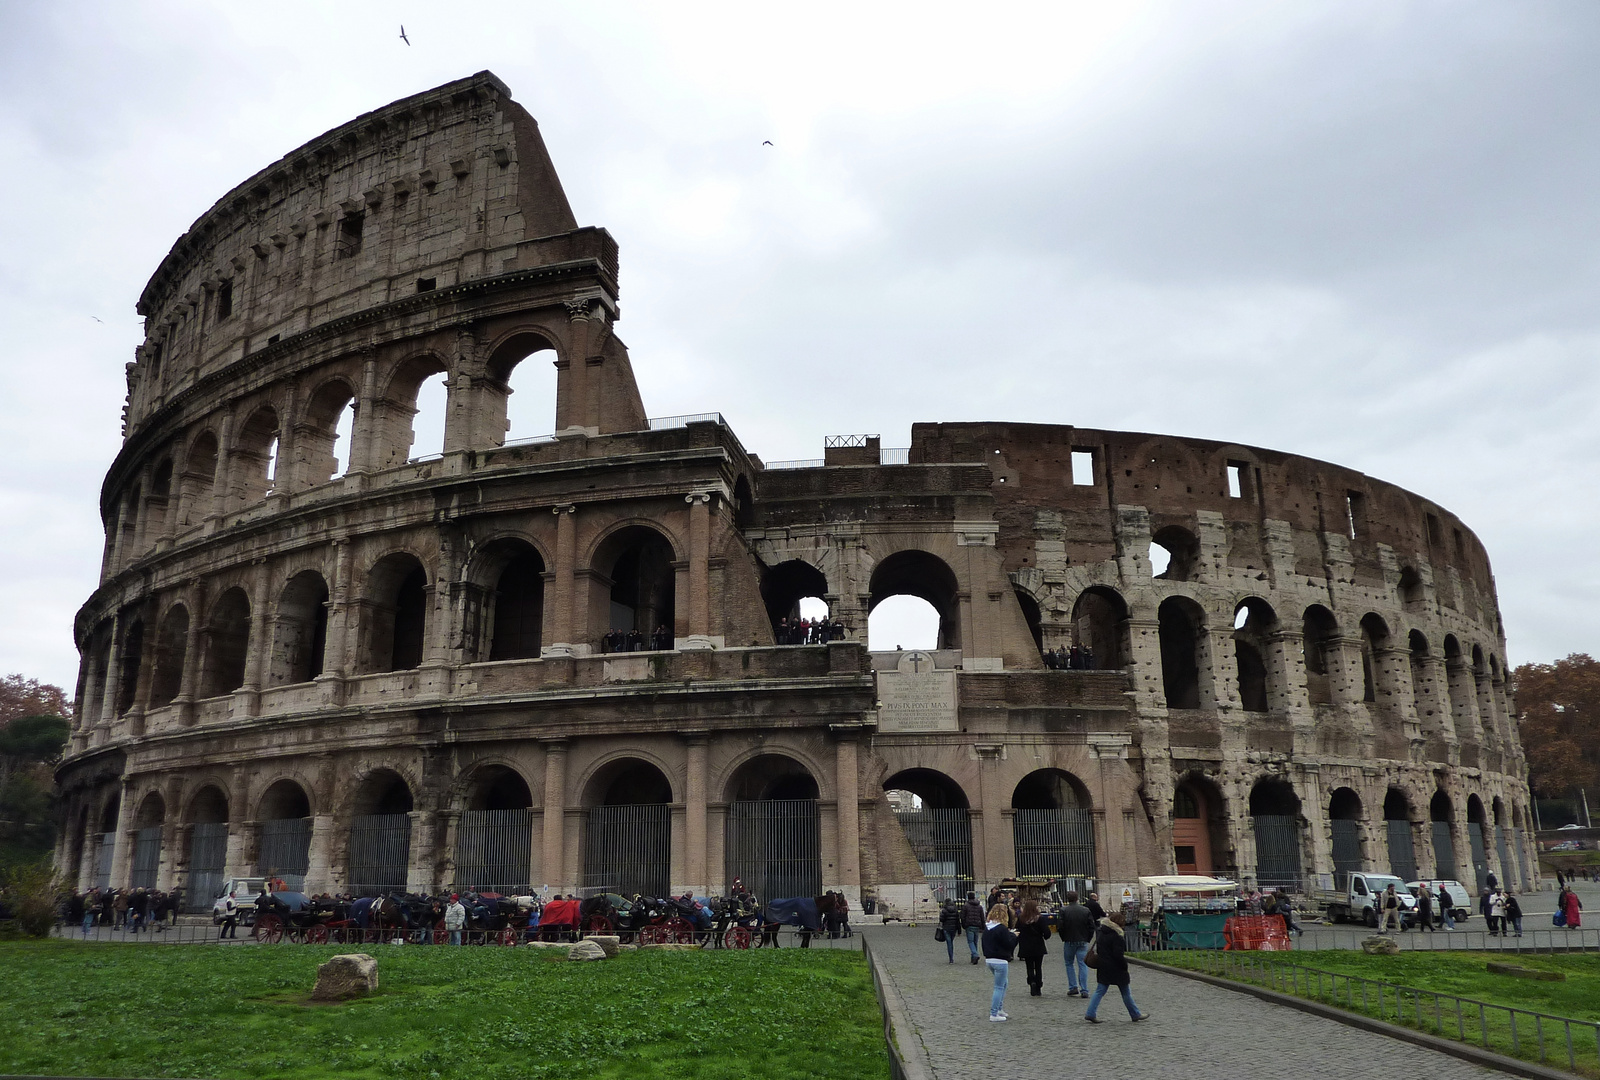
1466 1020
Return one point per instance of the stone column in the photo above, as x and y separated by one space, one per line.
1433 704
848 809
337 653
188 685
572 374
365 431
1219 682
694 813
1346 684
1114 849
113 676
420 876
561 612
122 856
259 648
555 810
319 856
222 486
699 570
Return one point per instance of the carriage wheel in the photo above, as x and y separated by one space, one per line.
316 935
269 929
598 924
440 937
680 930
652 935
737 937
508 936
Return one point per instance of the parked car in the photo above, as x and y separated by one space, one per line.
1461 898
245 891
1568 845
1355 895
1564 828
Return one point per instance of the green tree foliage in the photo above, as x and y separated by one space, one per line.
1559 718
33 732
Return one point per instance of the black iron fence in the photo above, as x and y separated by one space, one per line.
775 847
1054 843
494 850
942 842
286 851
628 849
380 853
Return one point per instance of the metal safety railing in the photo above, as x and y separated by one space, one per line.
1494 1027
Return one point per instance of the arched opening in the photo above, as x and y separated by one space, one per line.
285 816
77 844
1032 616
933 812
1254 623
196 485
159 504
147 842
640 590
1344 821
396 617
1459 688
1442 814
744 505
1374 677
785 588
1422 681
1410 589
322 440
524 386
1174 554
253 461
494 836
428 421
1321 632
1478 841
517 617
1402 849
380 834
1199 827
300 633
208 847
1182 626
773 838
227 644
1100 628
925 577
128 523
132 656
1052 828
1275 819
901 623
627 843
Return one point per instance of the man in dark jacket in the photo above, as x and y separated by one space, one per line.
950 923
972 920
1111 967
1075 923
1093 904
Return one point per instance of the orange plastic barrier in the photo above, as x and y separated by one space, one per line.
1264 933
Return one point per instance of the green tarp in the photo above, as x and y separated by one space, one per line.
1194 931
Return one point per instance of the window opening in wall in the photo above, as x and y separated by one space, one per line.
1236 479
343 432
427 426
1461 545
349 244
272 464
903 622
1431 527
1083 468
274 339
1174 552
155 360
1160 560
531 396
427 284
921 591
1355 509
224 300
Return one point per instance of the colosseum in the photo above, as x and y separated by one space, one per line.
567 662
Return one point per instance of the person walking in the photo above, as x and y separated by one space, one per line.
1425 907
91 910
1483 909
230 918
455 918
1514 913
1075 926
1447 904
1286 911
998 942
972 921
950 923
1497 912
1111 967
1390 912
1093 904
1032 931
1573 908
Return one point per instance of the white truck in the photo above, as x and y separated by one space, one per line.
1357 897
245 892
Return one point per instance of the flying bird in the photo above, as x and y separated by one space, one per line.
403 34
98 319
766 142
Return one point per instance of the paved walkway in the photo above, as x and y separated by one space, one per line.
1195 1031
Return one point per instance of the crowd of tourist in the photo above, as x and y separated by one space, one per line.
808 631
132 910
620 641
1077 658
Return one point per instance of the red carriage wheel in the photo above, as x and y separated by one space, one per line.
652 935
269 928
680 930
737 937
508 936
598 924
441 937
316 935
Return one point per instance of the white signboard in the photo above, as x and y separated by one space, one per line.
915 697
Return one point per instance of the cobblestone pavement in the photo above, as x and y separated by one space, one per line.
1195 1031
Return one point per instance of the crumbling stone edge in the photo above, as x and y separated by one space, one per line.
1467 1052
908 1058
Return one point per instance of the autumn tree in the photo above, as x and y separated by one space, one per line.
21 696
1559 717
33 731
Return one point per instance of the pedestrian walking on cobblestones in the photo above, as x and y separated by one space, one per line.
1032 930
1075 926
1111 967
1514 913
950 923
998 943
972 921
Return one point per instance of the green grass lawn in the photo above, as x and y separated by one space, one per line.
470 1013
1461 974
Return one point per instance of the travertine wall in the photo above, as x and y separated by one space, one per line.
310 641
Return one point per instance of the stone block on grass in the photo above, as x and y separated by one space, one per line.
1380 946
349 975
586 950
611 943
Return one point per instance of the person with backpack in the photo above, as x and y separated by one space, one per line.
998 943
950 924
1108 957
972 921
1032 930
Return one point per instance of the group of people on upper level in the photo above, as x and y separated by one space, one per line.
615 641
1077 658
808 631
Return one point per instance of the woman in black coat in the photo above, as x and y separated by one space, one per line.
1111 968
1031 933
950 923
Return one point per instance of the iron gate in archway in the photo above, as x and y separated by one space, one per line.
208 851
1444 852
942 843
628 849
1277 851
493 850
1346 846
775 847
1054 843
146 858
380 853
1402 852
286 851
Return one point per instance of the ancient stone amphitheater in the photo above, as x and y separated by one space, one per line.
316 654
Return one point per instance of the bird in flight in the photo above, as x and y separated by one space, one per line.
766 142
98 319
403 34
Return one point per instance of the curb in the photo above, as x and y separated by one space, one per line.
1465 1051
908 1058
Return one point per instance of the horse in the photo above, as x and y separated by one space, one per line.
806 912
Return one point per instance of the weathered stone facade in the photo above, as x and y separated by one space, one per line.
283 654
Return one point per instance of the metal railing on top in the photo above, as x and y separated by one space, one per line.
1492 1026
661 423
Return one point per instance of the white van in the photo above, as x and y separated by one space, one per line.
1461 898
245 892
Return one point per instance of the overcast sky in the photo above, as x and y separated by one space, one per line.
1365 232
